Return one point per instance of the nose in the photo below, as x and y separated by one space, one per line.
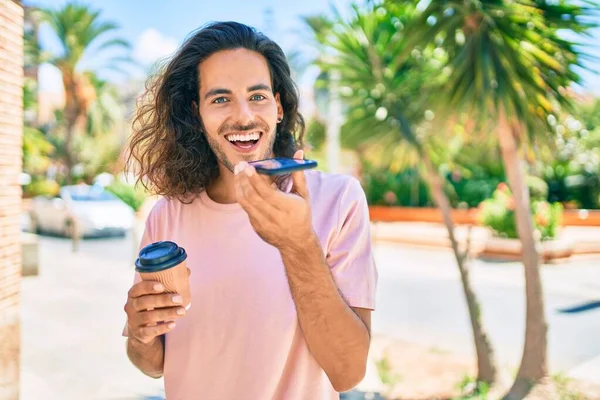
244 114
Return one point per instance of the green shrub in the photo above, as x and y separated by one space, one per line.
538 188
472 191
131 195
579 188
315 134
41 187
572 168
480 186
406 188
498 214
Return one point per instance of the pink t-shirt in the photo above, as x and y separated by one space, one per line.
241 338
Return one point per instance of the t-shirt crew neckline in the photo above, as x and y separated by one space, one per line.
235 207
222 207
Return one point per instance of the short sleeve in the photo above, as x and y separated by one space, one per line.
147 238
350 254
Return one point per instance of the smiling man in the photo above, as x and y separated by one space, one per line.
282 273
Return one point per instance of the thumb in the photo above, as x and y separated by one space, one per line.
299 184
299 179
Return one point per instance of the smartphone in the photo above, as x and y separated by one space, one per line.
281 166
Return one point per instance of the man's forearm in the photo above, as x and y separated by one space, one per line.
148 358
335 334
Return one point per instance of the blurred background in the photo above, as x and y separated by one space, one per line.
473 126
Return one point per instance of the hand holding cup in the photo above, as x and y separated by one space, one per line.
163 295
151 312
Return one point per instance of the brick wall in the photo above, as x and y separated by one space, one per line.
11 127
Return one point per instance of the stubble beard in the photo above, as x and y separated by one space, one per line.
222 158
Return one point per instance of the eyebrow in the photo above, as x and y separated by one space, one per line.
260 86
217 91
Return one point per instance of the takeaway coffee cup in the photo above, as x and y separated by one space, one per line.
165 262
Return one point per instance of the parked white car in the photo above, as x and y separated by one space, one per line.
97 211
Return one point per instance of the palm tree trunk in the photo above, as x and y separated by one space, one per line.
71 115
76 101
534 361
69 160
486 369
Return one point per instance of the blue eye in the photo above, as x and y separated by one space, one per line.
258 97
220 100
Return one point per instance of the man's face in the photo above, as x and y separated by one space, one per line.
237 106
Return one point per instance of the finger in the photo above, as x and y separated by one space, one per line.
267 193
258 213
246 204
299 179
147 334
239 167
266 180
251 200
145 287
150 302
160 315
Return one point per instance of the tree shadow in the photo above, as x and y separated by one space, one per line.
590 305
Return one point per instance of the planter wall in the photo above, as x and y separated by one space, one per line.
511 249
467 217
419 214
581 217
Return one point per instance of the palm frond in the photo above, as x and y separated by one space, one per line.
510 54
78 27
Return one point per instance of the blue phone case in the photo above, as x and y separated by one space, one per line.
281 166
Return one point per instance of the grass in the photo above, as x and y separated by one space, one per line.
386 373
472 390
437 350
564 392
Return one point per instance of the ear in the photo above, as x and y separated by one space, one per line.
279 106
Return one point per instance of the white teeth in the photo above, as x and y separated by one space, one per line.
243 138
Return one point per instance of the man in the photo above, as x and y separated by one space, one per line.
282 274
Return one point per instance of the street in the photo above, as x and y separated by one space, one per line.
72 314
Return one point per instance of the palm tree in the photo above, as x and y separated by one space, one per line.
80 31
385 101
106 111
104 129
36 149
509 64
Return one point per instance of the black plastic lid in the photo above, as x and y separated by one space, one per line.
159 256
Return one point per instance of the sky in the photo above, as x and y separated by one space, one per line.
156 28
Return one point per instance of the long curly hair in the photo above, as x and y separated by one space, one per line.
170 152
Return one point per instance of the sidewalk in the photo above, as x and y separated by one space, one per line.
586 240
72 315
589 371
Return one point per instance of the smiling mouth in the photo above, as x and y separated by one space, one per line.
244 141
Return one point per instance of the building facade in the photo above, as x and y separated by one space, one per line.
11 129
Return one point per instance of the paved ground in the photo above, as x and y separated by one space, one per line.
420 299
72 315
72 318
